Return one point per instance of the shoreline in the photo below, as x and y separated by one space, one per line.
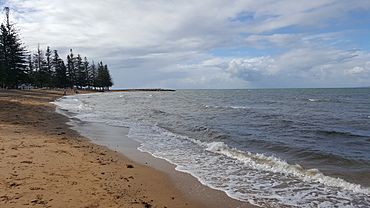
47 163
189 185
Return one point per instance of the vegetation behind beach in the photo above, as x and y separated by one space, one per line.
24 69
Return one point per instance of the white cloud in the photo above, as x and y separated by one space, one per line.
167 43
253 68
305 67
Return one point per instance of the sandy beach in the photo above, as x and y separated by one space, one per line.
46 164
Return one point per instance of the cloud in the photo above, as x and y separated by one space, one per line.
304 67
168 43
252 69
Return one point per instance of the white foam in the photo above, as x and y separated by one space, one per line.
239 107
232 107
257 178
276 165
319 100
248 177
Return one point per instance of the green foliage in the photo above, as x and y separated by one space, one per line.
17 66
103 78
12 57
50 71
60 78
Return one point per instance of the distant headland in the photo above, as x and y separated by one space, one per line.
143 90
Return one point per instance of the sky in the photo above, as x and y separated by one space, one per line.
208 44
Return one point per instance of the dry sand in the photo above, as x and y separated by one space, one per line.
46 164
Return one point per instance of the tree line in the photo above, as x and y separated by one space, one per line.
46 69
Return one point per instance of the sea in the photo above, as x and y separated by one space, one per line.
268 147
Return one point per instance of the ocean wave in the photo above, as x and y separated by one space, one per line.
199 128
227 107
239 107
336 133
319 100
157 111
312 100
265 181
276 165
272 164
73 104
210 134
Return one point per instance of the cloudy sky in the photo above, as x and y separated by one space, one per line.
208 43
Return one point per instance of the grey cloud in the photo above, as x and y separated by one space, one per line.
166 43
252 69
305 67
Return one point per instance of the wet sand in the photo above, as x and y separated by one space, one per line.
116 138
45 163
